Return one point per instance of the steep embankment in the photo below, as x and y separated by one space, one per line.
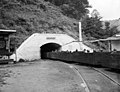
35 16
115 23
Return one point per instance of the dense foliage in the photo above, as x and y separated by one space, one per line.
34 16
110 31
54 16
93 27
72 8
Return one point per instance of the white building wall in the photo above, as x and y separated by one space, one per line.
30 48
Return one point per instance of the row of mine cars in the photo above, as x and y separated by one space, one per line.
105 59
110 58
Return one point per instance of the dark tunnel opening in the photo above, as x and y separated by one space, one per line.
49 47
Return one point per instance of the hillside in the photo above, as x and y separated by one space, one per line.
115 23
45 16
31 17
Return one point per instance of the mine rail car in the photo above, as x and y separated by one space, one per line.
104 59
5 51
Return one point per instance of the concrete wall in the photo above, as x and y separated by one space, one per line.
30 48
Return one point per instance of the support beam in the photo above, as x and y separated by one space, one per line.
80 32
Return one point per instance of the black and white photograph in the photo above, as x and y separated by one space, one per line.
59 46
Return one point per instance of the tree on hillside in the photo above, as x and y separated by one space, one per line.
72 8
95 13
110 31
92 26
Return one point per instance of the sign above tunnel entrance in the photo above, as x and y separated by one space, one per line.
50 38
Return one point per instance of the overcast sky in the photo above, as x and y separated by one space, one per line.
108 9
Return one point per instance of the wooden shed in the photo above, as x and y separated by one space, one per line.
5 45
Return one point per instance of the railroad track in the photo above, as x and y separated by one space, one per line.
106 75
75 69
87 86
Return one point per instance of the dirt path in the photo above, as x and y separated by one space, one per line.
51 76
39 77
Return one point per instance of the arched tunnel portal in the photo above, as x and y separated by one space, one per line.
49 47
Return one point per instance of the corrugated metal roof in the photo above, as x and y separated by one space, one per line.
113 38
107 39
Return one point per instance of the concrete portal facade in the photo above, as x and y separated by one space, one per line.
38 44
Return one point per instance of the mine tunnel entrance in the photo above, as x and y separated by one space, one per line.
49 47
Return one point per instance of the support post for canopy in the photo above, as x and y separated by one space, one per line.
80 36
9 43
15 54
110 46
80 32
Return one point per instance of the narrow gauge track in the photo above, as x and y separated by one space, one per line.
75 69
105 75
86 85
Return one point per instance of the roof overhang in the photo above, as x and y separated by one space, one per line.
112 39
7 31
107 39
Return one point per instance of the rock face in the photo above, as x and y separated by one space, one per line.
35 17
